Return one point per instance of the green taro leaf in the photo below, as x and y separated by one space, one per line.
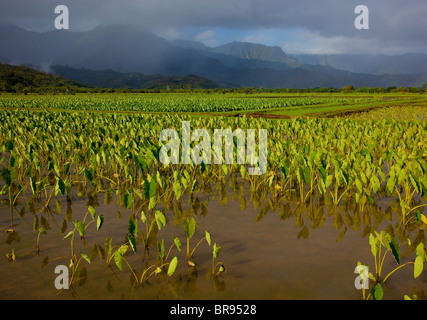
390 184
89 175
418 266
285 171
177 189
377 292
12 161
122 250
419 260
172 266
375 244
118 260
152 203
127 200
33 185
323 173
149 188
132 242
384 238
61 186
193 187
189 226
418 216
160 219
359 185
99 222
132 229
307 175
69 234
242 171
85 256
216 251
177 243
394 246
92 211
80 227
208 237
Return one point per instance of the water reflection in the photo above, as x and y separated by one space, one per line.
37 233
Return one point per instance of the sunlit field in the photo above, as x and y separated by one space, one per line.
82 186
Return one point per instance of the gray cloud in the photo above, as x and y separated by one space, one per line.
394 24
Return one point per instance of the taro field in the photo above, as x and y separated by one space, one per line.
88 210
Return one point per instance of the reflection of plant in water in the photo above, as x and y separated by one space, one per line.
41 231
118 252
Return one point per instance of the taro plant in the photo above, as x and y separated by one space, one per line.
219 265
407 177
74 262
119 258
81 228
157 219
158 268
383 241
190 227
74 265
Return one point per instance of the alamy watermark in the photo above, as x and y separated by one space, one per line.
63 20
362 280
361 21
61 281
202 151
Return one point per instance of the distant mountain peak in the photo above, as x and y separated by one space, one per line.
245 51
248 50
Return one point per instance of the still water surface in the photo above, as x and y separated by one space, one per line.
280 253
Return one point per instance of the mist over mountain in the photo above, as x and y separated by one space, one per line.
119 48
410 63
125 49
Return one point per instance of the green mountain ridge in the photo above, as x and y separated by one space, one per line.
29 79
247 50
21 78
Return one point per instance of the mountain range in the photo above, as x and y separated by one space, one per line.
112 79
125 49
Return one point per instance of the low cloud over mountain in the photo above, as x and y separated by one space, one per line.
129 49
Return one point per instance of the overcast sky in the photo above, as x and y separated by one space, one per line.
297 26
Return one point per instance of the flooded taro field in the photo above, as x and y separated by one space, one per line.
88 211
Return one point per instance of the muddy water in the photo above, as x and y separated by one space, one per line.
267 256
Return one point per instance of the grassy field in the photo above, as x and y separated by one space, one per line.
268 105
